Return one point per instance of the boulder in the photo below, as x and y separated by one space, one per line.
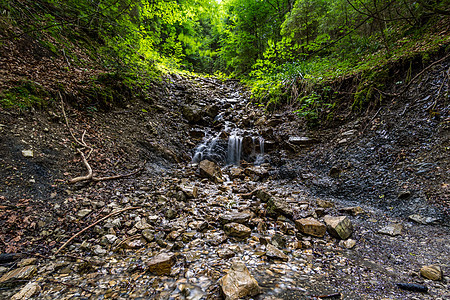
192 113
234 217
210 170
339 227
27 291
311 226
161 264
237 230
238 283
433 272
262 195
277 207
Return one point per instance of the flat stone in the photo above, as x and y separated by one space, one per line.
277 207
216 238
225 253
16 276
352 210
108 239
256 171
234 217
391 229
422 219
27 261
349 244
262 195
238 283
27 153
191 192
30 289
325 203
300 140
161 264
311 226
236 172
134 243
99 250
339 227
142 224
148 235
275 253
432 272
210 170
237 230
84 212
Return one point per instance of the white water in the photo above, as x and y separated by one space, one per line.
234 149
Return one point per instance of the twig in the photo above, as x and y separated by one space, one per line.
93 224
88 176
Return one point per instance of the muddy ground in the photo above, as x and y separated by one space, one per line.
392 162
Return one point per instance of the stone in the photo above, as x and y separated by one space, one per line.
236 172
84 212
192 113
238 282
339 227
262 195
225 253
432 272
234 217
191 192
210 170
171 214
142 225
27 153
148 235
349 244
17 276
27 261
30 289
256 171
99 250
300 140
352 210
422 220
275 253
391 229
311 226
135 243
278 240
216 238
277 207
237 230
161 264
324 203
108 239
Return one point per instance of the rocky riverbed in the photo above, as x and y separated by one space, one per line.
305 215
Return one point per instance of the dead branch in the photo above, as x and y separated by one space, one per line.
88 176
95 223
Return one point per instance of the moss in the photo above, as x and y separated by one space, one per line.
27 94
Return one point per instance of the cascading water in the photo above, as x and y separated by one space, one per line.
234 149
260 156
212 149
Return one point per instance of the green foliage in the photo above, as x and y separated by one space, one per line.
24 96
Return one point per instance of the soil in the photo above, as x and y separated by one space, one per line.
393 162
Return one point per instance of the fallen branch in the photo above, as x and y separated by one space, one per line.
89 176
93 224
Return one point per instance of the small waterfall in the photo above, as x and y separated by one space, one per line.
260 157
234 149
211 148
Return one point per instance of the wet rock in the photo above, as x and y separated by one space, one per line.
199 225
402 195
238 282
225 253
197 133
278 240
237 230
234 217
277 207
349 244
135 243
311 226
30 289
262 195
99 250
352 210
236 172
256 172
339 227
27 153
216 238
275 253
423 220
17 276
190 191
392 229
432 272
334 172
27 261
148 235
210 170
161 264
171 214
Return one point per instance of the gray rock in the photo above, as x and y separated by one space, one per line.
84 212
99 250
311 226
148 235
300 140
236 217
192 113
352 210
256 172
339 227
27 153
225 253
278 240
108 239
171 214
161 264
142 225
391 229
238 283
423 220
30 289
275 253
216 238
237 230
262 195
